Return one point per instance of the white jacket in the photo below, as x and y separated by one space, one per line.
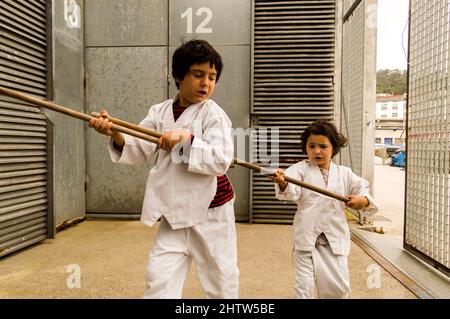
181 191
317 213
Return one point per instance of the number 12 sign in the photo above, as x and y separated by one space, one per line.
203 26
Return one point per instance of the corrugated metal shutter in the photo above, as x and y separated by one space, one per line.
23 128
293 84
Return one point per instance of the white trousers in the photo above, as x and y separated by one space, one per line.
320 271
212 246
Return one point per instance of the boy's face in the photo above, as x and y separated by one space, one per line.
198 84
319 150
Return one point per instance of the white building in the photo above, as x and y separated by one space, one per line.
390 118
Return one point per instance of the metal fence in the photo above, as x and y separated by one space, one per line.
358 86
427 206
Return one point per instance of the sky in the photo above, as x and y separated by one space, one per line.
392 19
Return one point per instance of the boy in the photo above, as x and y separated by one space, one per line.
187 187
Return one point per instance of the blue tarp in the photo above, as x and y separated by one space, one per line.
398 159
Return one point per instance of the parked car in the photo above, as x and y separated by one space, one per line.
392 149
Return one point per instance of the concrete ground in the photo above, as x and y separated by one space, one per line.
389 190
389 193
111 256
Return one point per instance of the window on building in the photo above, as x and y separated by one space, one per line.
384 107
378 140
384 116
395 115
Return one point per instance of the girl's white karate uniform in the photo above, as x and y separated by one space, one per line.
180 192
321 260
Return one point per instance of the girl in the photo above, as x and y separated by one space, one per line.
321 236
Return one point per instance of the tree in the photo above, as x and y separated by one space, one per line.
391 81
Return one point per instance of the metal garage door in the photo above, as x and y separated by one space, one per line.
23 128
293 84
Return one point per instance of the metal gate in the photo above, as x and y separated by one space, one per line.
427 206
292 85
357 98
23 128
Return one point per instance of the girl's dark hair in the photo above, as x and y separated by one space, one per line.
325 128
194 52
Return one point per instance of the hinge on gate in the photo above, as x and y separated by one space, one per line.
254 120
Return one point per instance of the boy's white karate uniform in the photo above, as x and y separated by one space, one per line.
180 193
322 261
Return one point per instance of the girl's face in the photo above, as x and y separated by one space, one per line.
319 150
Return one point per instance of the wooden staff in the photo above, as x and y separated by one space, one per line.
236 161
291 180
73 113
152 136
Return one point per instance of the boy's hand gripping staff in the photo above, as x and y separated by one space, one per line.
152 136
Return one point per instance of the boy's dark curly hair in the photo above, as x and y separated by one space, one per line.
325 128
194 52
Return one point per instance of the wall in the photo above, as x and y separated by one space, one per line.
228 30
128 55
68 134
126 63
396 135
